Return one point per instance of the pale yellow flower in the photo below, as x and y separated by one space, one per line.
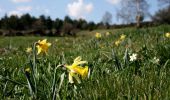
56 40
43 46
107 33
76 69
122 37
98 35
167 35
28 70
101 46
117 42
155 60
28 50
70 77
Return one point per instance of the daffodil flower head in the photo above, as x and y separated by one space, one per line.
76 69
42 46
107 33
122 37
56 40
167 35
28 70
117 42
98 35
28 50
101 46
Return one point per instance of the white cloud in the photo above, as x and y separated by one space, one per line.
79 9
114 2
19 1
24 8
19 11
15 13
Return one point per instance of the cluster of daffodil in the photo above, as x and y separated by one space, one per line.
120 40
99 35
75 70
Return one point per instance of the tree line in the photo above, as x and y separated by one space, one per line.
135 12
43 25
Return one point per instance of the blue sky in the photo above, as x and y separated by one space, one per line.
91 10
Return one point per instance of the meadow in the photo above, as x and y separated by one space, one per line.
135 66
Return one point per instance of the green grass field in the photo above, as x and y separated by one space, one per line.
111 76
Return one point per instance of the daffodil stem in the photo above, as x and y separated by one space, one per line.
34 67
34 58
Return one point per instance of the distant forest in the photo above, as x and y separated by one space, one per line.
45 26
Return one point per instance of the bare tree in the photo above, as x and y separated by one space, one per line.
107 18
162 16
133 10
165 2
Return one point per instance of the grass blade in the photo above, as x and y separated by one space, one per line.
116 60
30 84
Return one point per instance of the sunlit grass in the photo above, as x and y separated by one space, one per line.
112 75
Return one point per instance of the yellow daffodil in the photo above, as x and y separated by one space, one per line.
101 46
43 46
76 69
117 42
122 37
98 35
167 35
28 70
56 40
107 33
28 50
